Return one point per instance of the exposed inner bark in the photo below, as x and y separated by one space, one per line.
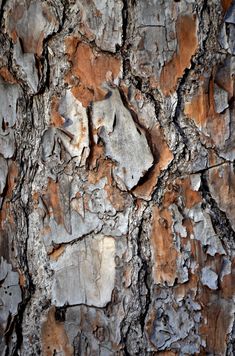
117 182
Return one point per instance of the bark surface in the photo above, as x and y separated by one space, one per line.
117 182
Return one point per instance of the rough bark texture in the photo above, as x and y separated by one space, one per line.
117 182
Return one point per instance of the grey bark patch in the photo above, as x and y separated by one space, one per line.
26 66
230 15
81 275
10 292
204 231
79 227
48 142
3 173
91 212
7 142
9 95
150 38
102 21
220 99
226 268
124 142
170 325
76 124
209 278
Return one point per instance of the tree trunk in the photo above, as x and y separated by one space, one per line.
117 184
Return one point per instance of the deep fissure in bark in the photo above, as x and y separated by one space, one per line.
117 185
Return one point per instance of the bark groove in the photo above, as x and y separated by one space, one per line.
117 182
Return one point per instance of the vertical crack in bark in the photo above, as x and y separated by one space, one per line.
124 22
22 212
220 221
2 12
144 275
29 288
133 303
125 45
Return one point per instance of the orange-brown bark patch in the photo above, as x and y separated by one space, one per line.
217 316
13 171
103 170
22 279
228 283
170 195
186 31
35 197
198 255
216 123
138 203
7 76
54 337
165 254
216 305
91 69
52 200
162 155
96 152
202 110
34 45
187 223
56 119
191 197
217 311
226 4
144 190
198 108
55 254
71 44
181 188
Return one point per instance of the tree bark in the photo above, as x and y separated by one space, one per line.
117 183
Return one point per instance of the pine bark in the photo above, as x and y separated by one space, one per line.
117 182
